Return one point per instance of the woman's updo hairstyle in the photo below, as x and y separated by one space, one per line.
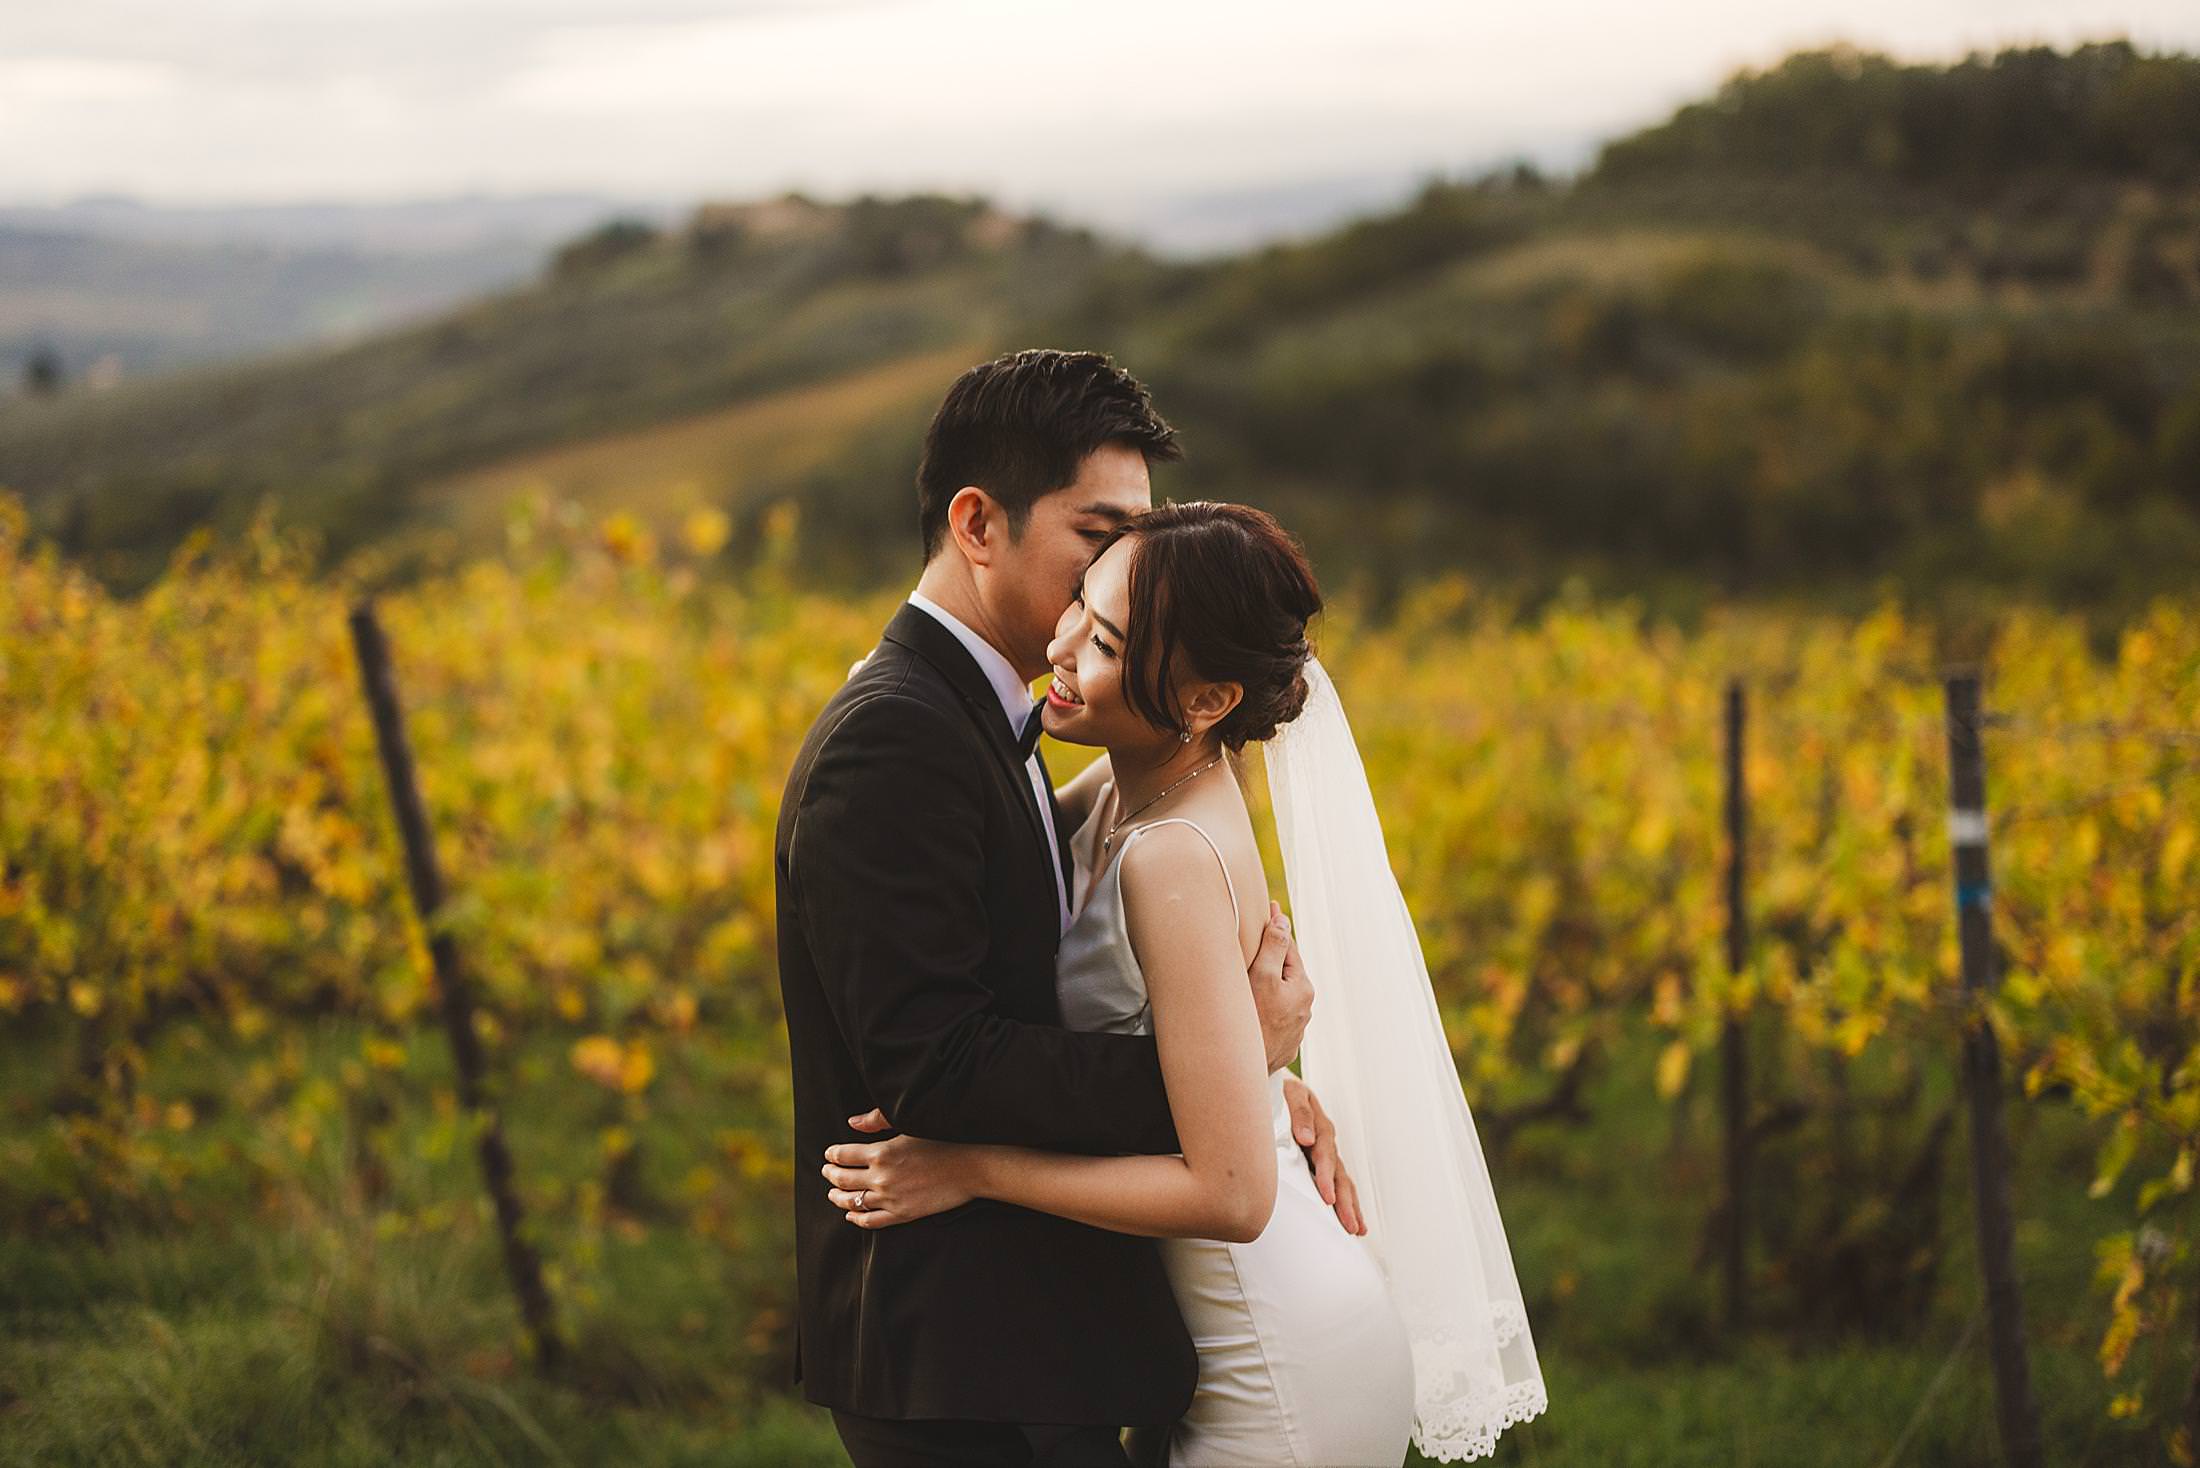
1229 591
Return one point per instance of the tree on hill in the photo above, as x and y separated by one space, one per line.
2104 109
609 241
42 372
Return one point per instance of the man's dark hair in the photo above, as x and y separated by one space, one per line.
1018 426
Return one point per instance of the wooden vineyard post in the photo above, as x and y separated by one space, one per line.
1990 1188
1733 1040
426 881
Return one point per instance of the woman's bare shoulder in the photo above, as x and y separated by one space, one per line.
1172 872
1173 862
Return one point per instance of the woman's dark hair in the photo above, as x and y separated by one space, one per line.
1229 591
1019 425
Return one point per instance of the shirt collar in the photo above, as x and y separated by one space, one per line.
1015 693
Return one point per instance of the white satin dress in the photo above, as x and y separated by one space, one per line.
1303 1359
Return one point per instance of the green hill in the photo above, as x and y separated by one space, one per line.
1847 320
630 329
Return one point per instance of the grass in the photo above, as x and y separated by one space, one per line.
277 1318
1640 1376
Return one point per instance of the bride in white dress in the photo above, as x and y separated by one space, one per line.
1313 1348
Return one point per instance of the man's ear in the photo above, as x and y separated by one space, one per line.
978 523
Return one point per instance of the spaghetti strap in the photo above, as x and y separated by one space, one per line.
1211 846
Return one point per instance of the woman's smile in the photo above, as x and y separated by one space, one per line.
1060 696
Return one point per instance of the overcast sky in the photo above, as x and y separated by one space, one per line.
1030 100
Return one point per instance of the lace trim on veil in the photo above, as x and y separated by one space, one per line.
1469 1428
1463 1422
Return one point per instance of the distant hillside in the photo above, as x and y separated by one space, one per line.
629 329
1692 370
106 309
108 288
1794 339
428 226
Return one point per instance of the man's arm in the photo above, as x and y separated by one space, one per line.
886 863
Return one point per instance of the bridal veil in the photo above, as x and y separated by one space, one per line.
1376 1055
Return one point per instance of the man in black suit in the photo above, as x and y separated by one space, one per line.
923 884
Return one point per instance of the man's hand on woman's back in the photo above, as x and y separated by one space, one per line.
1285 997
1282 992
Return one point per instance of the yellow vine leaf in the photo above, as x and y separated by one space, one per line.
1672 1069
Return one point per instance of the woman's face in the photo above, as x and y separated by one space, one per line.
1085 702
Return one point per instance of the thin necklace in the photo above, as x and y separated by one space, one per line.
1108 843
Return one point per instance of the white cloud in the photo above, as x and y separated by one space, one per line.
324 98
67 81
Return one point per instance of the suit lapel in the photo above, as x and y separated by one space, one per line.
919 631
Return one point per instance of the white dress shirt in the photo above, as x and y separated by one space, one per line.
1015 697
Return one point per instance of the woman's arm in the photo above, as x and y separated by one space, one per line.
1213 1064
1076 796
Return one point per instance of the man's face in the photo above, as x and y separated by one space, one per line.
1033 580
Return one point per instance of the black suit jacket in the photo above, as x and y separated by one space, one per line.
917 934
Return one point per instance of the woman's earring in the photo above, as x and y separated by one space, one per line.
1187 736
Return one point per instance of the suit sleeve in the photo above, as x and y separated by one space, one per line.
886 863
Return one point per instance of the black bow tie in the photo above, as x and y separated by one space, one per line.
1028 740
